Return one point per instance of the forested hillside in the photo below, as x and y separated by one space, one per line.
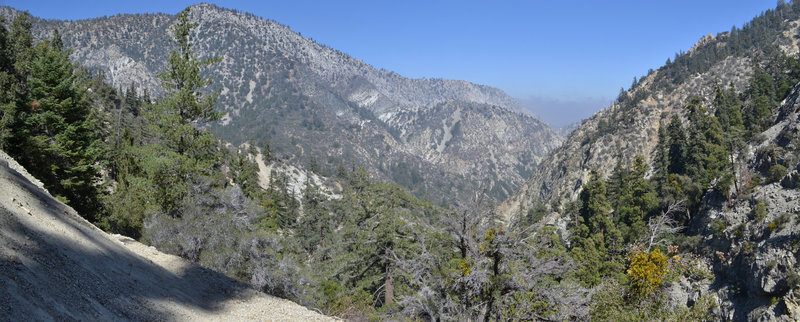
311 103
684 191
146 167
678 202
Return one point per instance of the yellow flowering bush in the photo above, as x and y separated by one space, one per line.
646 273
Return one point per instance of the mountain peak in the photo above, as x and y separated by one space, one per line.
311 101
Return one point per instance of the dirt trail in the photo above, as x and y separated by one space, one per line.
54 265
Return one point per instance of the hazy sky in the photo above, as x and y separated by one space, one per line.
567 51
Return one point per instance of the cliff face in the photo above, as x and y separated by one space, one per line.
313 102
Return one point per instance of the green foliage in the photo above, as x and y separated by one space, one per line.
633 199
706 155
661 165
775 173
376 229
20 47
677 146
762 97
760 210
718 227
184 104
159 165
533 215
728 109
46 120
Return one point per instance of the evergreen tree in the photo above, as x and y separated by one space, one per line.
728 109
618 185
707 155
661 161
8 85
378 233
677 146
21 46
595 235
61 144
641 201
316 224
761 97
184 105
5 53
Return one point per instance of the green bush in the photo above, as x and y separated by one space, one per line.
775 173
760 211
718 227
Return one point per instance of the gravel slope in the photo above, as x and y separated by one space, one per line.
54 265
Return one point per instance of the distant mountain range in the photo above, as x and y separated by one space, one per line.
444 139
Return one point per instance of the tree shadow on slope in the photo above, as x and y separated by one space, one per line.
54 265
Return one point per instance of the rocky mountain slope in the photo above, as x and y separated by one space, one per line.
626 129
757 250
54 265
749 239
441 138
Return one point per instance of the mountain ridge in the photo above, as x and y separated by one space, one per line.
313 102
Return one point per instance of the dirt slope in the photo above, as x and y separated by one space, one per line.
54 265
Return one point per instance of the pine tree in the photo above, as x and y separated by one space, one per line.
761 96
59 130
21 46
661 161
707 155
595 235
643 200
8 85
618 185
184 104
677 146
316 224
378 233
728 109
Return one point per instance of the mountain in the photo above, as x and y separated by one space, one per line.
734 94
56 265
630 125
444 139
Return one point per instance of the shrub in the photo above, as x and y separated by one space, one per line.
775 173
760 210
779 223
646 273
718 227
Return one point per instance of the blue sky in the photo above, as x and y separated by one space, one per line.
578 52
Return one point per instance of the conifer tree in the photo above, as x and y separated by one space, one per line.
184 104
661 161
595 235
21 46
761 97
677 146
728 109
707 155
59 130
8 85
